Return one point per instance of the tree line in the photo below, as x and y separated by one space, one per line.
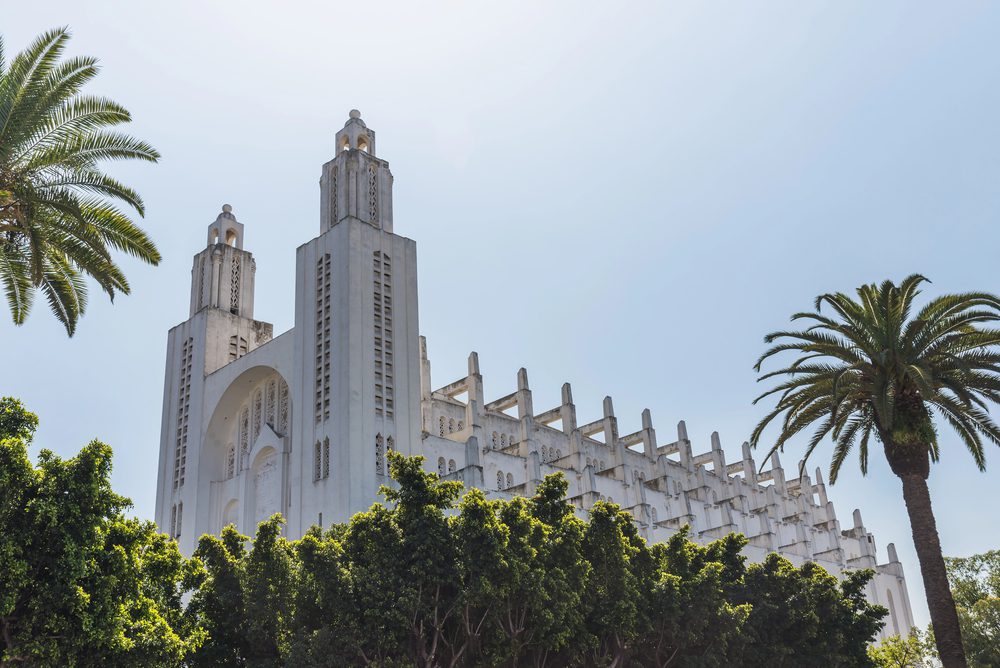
431 577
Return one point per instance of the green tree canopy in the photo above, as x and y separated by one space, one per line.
913 651
975 581
80 584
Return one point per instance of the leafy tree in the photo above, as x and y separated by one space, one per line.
555 613
58 216
872 369
80 585
975 581
15 421
243 599
428 555
485 568
693 621
913 651
802 617
381 591
620 566
324 619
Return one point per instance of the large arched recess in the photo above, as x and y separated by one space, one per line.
225 416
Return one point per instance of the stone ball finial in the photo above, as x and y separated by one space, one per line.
355 113
226 208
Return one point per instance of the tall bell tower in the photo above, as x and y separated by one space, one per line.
357 341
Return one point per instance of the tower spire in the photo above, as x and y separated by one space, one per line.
223 274
356 183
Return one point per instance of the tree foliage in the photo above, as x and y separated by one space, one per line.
59 217
975 582
424 579
80 584
913 651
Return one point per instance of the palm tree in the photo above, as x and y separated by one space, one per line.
58 217
869 369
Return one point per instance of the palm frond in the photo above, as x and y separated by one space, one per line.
21 80
60 222
15 274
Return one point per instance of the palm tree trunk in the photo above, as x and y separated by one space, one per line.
947 634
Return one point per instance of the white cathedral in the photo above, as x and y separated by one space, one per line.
300 423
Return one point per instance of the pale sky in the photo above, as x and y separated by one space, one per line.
623 196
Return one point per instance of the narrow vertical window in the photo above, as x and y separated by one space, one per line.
201 285
234 300
258 401
244 437
324 315
379 455
183 410
334 195
373 194
231 461
510 480
270 403
326 457
283 408
180 518
499 480
451 466
382 328
317 461
441 466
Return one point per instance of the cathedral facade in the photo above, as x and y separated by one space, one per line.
300 423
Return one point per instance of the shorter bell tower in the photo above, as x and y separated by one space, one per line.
220 329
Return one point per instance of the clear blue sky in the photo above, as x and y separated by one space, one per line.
626 197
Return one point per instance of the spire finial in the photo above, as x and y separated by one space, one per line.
227 208
355 113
